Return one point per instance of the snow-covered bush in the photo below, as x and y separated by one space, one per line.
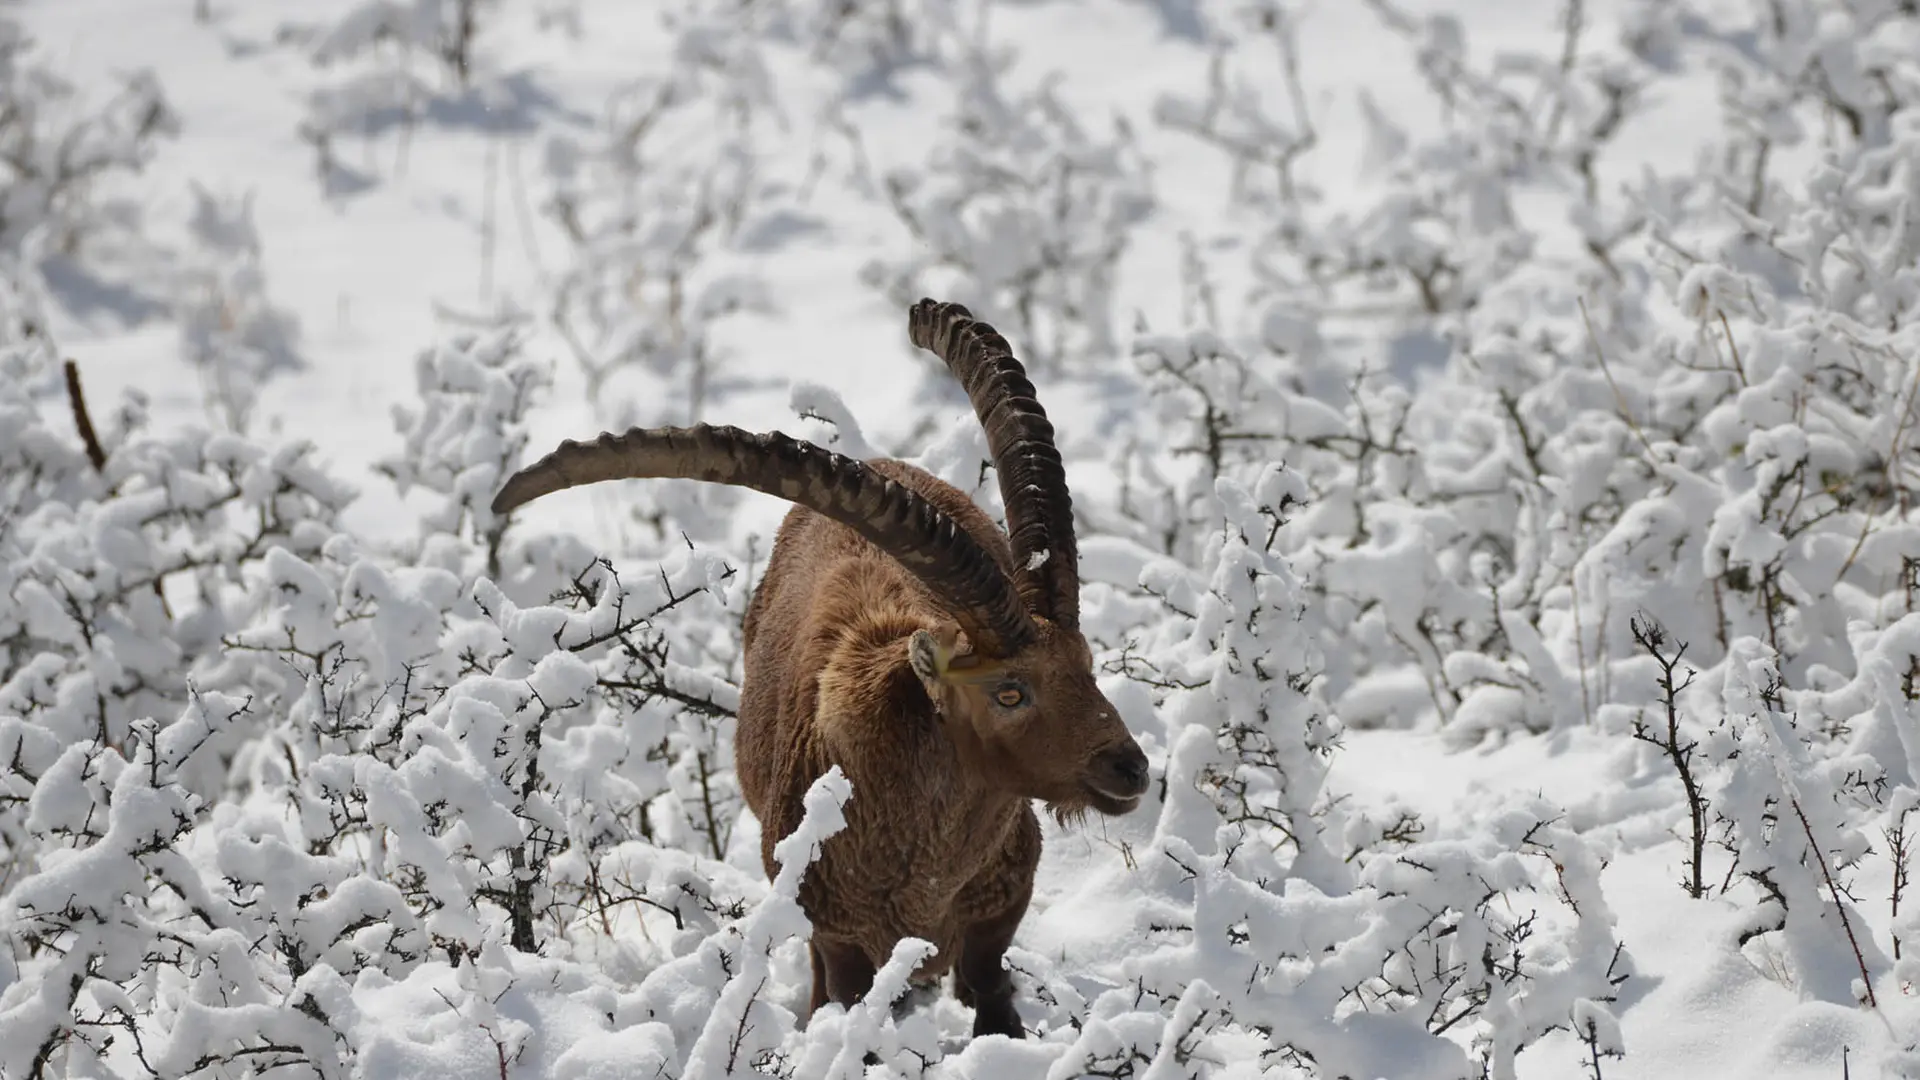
871 45
399 64
651 225
1022 212
65 159
231 330
129 559
265 732
1500 935
124 573
665 244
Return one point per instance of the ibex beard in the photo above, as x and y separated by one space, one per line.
899 634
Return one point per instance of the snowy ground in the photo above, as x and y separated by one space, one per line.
1485 317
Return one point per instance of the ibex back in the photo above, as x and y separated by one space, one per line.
899 634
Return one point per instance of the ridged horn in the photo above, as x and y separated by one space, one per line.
925 541
1033 480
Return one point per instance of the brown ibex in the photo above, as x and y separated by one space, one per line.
898 634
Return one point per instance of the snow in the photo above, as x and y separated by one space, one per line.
1487 445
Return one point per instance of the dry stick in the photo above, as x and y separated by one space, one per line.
1733 347
1893 460
1580 642
405 140
1309 138
1898 850
1591 1037
740 1032
95 454
1572 23
706 802
489 220
1652 637
523 214
1603 671
82 420
78 399
1619 399
1866 980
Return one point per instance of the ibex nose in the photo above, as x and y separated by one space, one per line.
1122 771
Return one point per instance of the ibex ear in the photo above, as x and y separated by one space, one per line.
929 655
945 655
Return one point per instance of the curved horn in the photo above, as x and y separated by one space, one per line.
896 519
1033 481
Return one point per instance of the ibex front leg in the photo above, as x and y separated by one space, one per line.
980 979
841 973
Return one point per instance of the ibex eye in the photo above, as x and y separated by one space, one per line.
1010 696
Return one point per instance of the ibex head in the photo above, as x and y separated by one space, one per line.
1030 706
1006 665
1034 720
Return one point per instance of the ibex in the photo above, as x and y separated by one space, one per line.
898 634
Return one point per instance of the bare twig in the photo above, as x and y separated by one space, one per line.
1906 415
1619 399
740 1032
1591 1037
1652 637
489 218
1866 980
1579 644
82 420
1899 849
1733 347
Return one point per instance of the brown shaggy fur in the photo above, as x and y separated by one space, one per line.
941 841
